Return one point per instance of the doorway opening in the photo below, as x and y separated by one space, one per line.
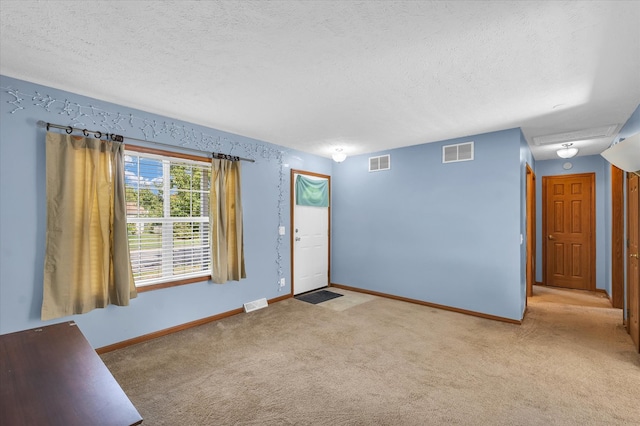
618 238
531 231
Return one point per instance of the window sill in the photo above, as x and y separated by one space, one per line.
168 284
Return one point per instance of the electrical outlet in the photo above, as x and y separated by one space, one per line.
281 282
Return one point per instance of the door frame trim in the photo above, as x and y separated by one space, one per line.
592 228
618 237
627 285
530 230
292 222
627 305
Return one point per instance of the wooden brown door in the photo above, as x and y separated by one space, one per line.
569 231
633 275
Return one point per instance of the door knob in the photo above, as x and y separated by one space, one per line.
297 238
634 255
551 237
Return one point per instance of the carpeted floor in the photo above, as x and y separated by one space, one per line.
365 360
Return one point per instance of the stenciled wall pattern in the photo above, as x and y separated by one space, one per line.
94 118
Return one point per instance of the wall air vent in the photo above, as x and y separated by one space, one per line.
457 152
255 305
377 164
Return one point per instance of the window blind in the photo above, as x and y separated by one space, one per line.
167 217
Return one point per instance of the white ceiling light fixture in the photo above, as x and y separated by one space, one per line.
339 156
567 151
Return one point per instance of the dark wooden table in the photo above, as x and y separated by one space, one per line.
52 376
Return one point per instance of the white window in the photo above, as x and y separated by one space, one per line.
167 217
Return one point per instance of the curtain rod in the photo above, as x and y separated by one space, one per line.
120 138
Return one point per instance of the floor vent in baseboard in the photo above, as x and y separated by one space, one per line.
255 305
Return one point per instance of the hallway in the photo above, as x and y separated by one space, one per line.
562 296
586 319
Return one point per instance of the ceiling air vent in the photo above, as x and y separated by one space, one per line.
377 164
577 135
458 152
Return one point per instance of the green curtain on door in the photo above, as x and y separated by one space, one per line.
312 192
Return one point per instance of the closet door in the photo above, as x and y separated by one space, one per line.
633 274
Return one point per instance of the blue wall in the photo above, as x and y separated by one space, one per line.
22 213
442 233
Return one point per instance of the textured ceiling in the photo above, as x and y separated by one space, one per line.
362 75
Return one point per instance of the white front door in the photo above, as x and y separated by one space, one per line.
310 245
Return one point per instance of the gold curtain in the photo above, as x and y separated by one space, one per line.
87 262
227 246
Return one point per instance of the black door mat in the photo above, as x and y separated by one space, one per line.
318 296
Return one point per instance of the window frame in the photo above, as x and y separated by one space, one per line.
170 155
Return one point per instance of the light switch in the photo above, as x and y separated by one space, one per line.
281 230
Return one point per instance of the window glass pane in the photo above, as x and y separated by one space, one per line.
145 247
189 188
168 236
191 252
144 186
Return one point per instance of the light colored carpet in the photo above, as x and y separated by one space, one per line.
366 360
